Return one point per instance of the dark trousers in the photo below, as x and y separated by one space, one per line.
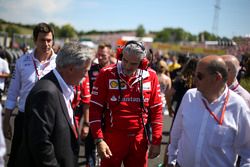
16 140
90 150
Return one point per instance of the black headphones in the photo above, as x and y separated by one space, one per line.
136 43
144 62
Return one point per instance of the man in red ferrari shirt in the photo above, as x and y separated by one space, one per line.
80 105
126 94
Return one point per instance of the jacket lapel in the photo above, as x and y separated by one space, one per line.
51 76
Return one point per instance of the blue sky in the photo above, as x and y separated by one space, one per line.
193 16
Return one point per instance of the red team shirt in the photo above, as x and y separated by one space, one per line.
81 96
125 115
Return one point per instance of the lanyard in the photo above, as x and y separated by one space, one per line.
220 121
236 86
34 63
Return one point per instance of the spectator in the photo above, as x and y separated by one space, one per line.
29 69
180 85
80 104
213 123
2 141
124 93
4 73
233 67
173 66
103 55
165 83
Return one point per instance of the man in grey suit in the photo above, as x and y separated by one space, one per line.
50 136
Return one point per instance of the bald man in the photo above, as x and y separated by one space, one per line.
212 124
233 66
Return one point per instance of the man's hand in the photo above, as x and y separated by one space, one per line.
84 131
154 151
171 112
103 150
7 130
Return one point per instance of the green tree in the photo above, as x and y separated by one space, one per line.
12 29
81 33
140 31
191 37
67 31
162 36
207 36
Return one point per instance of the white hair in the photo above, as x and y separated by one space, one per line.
135 49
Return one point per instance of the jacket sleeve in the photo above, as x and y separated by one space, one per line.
14 88
155 105
98 103
85 91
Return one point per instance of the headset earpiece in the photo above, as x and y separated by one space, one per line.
119 53
144 64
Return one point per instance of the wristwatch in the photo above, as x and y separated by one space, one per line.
98 140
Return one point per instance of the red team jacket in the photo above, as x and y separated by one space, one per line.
81 96
125 116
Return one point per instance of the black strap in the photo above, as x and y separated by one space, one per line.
143 107
119 87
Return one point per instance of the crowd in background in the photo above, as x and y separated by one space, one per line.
175 72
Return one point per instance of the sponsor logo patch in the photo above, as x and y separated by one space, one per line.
113 98
113 84
147 86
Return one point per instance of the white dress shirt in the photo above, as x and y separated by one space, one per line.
197 140
27 71
4 68
68 94
2 141
236 87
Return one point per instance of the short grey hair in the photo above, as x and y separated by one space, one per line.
134 49
73 53
232 63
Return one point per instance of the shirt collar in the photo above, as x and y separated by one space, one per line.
220 98
234 84
67 89
53 56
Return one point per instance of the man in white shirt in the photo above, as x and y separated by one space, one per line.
233 66
4 73
29 68
212 124
2 141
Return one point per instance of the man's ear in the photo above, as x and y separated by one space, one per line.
218 76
